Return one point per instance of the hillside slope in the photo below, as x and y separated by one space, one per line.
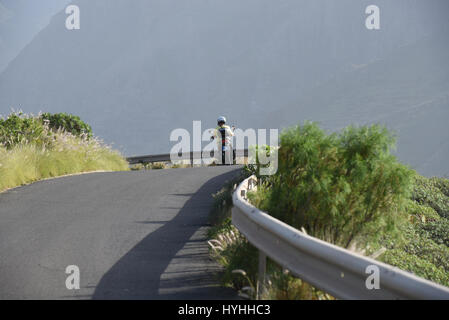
20 21
408 91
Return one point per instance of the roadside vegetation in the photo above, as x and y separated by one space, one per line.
423 246
50 145
169 165
345 188
158 166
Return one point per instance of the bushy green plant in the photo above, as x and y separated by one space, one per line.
338 186
240 255
422 244
67 122
20 128
433 193
419 244
283 286
442 184
423 213
221 207
414 264
438 231
30 151
137 167
255 164
158 165
26 163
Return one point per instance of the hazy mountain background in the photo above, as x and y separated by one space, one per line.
408 91
139 69
20 21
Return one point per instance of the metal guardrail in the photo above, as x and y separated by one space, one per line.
340 272
191 156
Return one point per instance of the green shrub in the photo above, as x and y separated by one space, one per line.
432 192
419 244
438 231
415 243
422 212
240 255
442 184
29 151
67 122
338 186
19 128
26 163
416 265
254 164
137 167
158 165
283 286
222 205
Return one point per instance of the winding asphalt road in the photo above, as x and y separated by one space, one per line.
133 235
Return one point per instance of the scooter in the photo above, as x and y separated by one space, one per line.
226 148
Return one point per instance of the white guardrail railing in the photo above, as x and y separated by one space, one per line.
337 271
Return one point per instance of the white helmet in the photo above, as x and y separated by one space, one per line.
221 119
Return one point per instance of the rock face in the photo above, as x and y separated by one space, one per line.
138 69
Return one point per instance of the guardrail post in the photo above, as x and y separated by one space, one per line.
260 287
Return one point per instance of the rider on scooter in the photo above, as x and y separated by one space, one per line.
223 134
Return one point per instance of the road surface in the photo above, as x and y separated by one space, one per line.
133 235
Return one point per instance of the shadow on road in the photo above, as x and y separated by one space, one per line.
137 275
